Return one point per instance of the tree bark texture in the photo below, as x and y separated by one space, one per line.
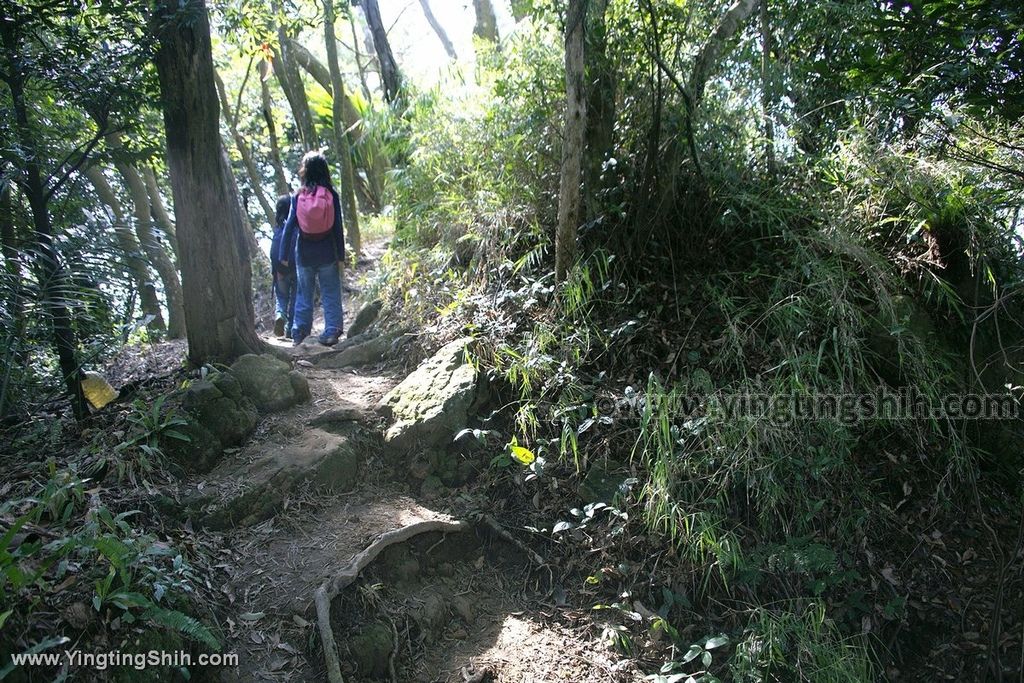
486 26
600 94
342 144
390 76
215 267
572 140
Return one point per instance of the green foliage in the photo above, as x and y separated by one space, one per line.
136 578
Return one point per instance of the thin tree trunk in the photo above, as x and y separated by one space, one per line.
133 257
214 260
342 144
730 25
155 252
243 150
438 29
374 162
390 76
47 266
359 56
287 73
15 353
767 90
486 26
572 140
267 107
600 85
156 203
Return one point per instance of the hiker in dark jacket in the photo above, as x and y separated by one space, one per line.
285 285
319 257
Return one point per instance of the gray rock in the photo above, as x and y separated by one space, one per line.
371 351
315 459
433 403
366 316
269 382
230 417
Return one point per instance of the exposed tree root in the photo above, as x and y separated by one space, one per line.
333 586
497 528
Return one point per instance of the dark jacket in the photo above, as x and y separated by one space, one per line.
307 253
276 244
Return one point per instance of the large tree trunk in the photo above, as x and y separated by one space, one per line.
151 245
281 185
730 25
156 203
572 140
372 157
438 29
343 147
243 150
48 269
214 260
600 87
390 76
486 26
133 258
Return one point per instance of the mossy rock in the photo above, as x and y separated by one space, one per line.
434 402
370 649
200 453
270 383
366 316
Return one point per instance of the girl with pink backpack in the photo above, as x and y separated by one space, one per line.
313 240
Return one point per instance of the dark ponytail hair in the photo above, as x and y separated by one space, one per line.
313 171
284 207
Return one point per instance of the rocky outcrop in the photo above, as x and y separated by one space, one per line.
434 402
316 459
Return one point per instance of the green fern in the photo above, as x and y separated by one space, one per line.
184 624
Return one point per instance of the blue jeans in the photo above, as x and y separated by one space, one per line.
330 299
285 288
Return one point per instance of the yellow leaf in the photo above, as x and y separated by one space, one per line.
97 390
523 455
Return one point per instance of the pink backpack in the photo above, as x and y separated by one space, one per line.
315 211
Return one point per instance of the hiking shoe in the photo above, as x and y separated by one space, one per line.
297 340
329 339
279 327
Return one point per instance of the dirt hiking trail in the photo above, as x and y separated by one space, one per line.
317 484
